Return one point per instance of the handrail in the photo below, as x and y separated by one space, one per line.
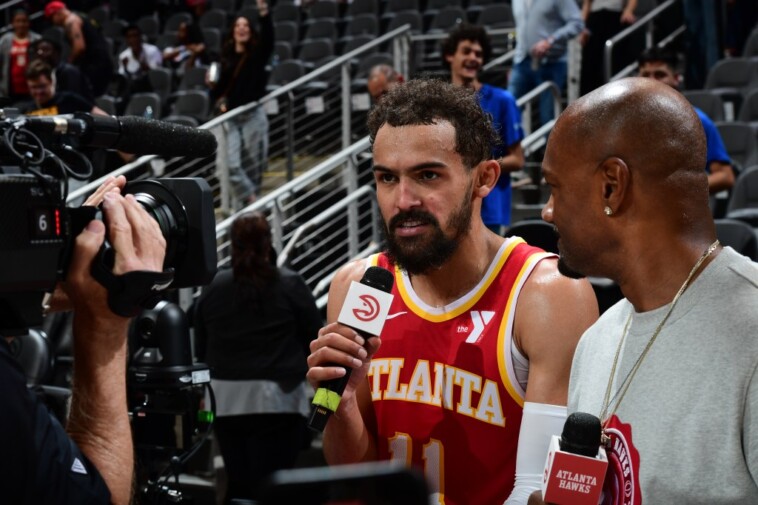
319 219
641 23
537 90
11 3
303 180
526 119
441 35
537 138
500 59
214 122
287 88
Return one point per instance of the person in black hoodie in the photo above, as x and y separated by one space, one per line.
243 80
253 327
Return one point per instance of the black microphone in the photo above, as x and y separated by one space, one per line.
368 305
576 465
581 434
131 134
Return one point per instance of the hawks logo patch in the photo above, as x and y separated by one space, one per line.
622 481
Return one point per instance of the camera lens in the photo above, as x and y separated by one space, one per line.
168 211
159 211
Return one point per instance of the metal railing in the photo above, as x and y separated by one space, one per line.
310 118
321 219
525 102
647 22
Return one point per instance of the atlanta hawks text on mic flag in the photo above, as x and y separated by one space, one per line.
576 462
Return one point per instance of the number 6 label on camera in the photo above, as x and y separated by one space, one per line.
46 223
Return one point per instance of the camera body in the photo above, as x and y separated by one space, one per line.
38 233
36 159
35 230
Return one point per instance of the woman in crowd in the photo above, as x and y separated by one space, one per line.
242 80
253 326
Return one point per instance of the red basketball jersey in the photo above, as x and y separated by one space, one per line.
443 387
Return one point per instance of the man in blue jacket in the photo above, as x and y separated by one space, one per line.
464 51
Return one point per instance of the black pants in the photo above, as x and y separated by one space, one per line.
602 25
254 446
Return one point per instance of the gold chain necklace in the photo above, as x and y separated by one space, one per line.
621 391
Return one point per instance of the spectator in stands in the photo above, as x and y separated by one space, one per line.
382 78
189 51
89 50
14 57
543 30
68 77
602 20
253 325
46 100
472 310
662 65
137 59
464 52
243 79
671 369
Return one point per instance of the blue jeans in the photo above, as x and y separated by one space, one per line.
249 132
524 78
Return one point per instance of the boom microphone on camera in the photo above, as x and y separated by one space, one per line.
131 134
364 310
576 463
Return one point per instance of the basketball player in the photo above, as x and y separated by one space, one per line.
474 316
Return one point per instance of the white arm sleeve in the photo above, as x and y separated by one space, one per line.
539 423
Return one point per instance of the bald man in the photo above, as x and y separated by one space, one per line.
671 369
382 78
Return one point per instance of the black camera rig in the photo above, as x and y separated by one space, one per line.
38 233
38 229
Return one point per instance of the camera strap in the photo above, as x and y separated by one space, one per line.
129 293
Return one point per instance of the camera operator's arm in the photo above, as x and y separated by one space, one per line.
99 422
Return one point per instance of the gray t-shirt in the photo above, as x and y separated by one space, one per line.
687 429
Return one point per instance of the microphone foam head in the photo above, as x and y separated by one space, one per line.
581 434
148 136
378 278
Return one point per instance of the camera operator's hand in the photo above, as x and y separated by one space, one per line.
136 239
115 184
99 422
58 300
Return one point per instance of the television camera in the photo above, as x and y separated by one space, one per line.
38 155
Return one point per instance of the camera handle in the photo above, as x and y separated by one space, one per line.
131 292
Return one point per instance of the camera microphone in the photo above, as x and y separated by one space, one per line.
131 134
364 310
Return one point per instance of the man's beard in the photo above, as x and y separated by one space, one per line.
420 254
